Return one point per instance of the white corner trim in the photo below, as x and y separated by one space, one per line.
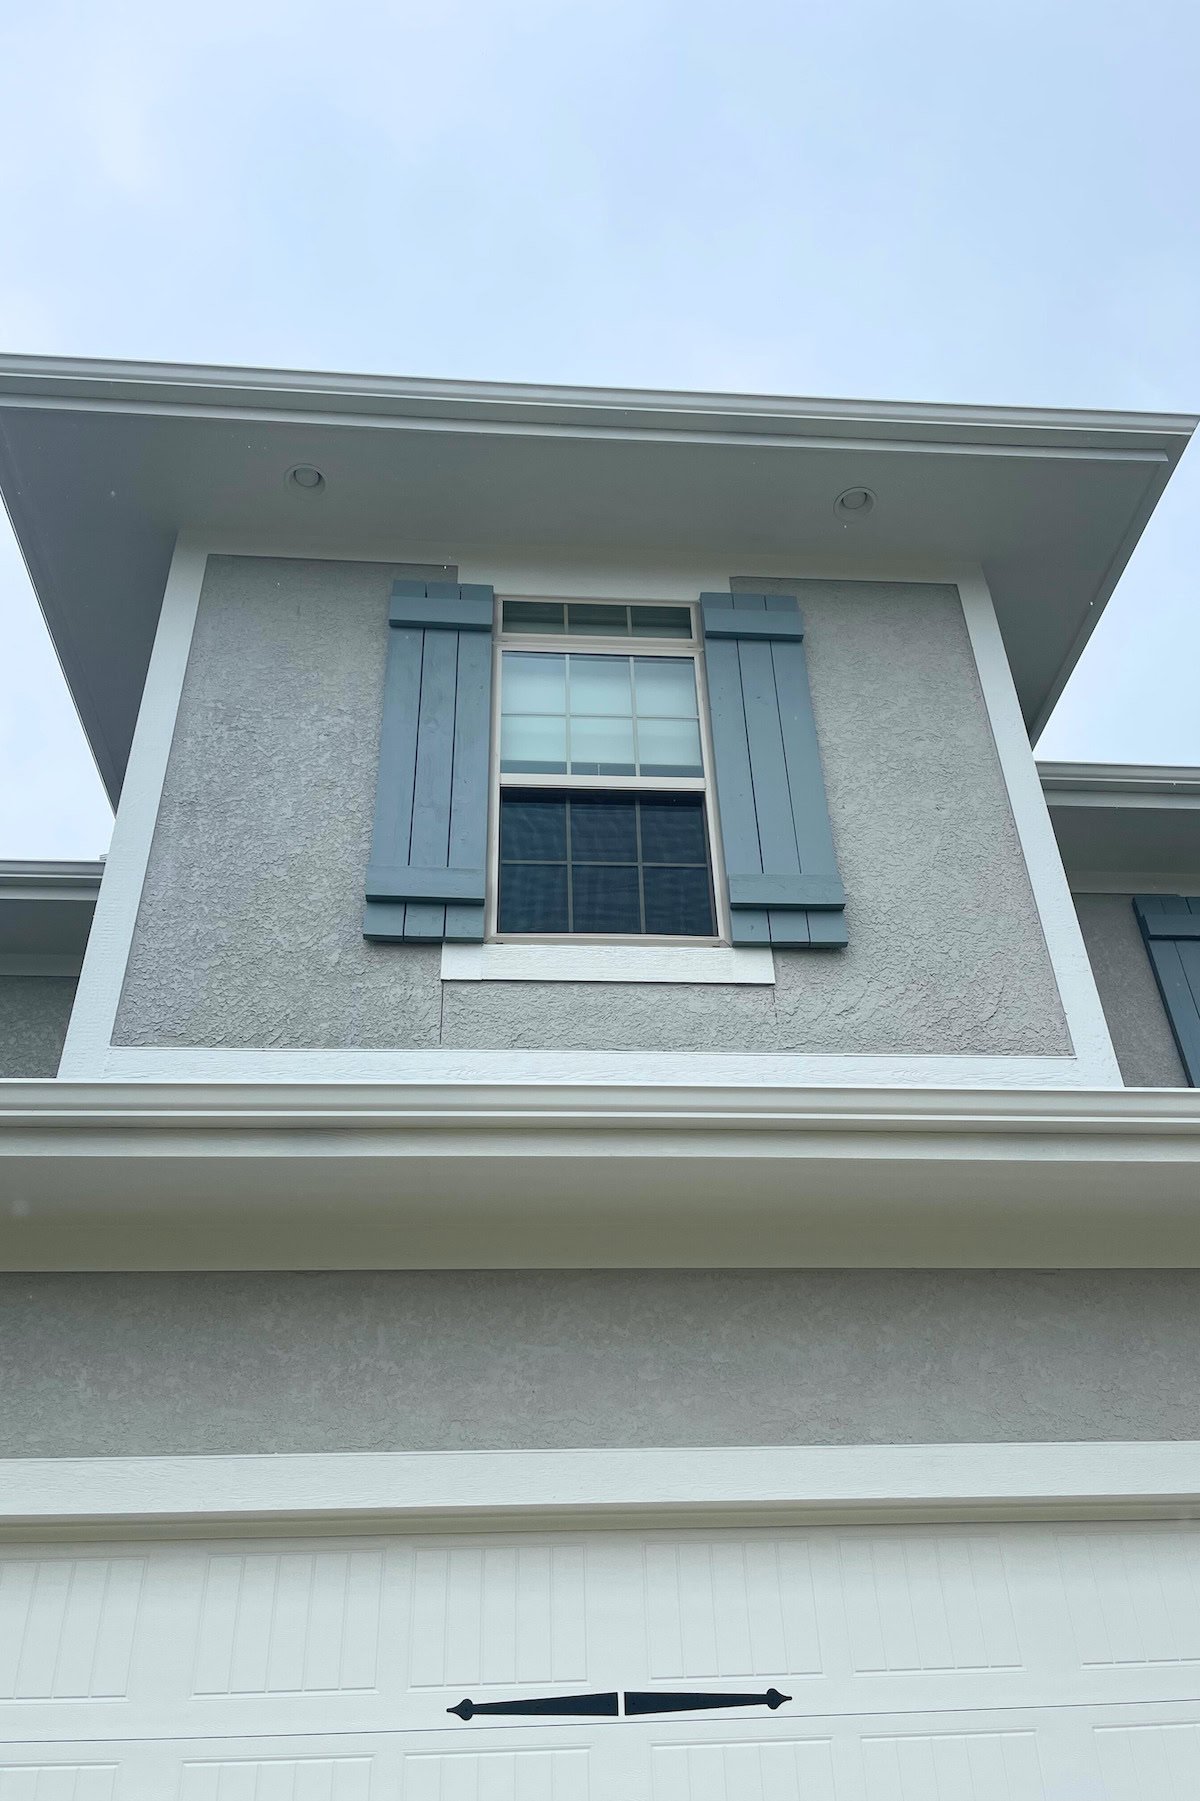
1090 1038
94 1014
694 963
533 1488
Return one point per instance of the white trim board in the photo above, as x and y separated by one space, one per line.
533 1490
89 1054
691 964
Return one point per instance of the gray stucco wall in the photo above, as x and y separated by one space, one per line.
34 1012
250 926
1132 1005
155 1364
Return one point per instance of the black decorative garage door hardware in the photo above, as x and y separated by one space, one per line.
636 1701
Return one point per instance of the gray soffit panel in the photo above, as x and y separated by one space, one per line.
102 463
1125 826
46 911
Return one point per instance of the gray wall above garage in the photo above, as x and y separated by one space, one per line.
249 933
100 1365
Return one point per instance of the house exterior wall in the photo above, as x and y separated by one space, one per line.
249 929
34 1011
1137 1019
164 1364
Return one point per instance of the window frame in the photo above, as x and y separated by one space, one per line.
566 643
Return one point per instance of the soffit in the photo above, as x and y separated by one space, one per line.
1117 821
101 465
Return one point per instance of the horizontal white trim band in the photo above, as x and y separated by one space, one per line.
534 1488
97 1176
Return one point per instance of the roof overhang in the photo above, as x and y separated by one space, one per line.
101 464
188 1176
46 914
1126 826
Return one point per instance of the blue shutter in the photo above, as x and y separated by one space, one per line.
426 878
1171 927
780 866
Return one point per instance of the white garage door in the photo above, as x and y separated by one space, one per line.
1014 1663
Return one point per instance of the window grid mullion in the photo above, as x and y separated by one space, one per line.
641 864
570 862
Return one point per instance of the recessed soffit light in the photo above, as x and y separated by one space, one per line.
854 503
306 477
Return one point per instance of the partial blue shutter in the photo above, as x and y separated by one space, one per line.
1171 927
426 880
784 887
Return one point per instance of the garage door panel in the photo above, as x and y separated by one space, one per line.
67 1626
289 1623
485 1615
60 1782
774 1769
1133 1598
541 1773
722 1608
1139 1762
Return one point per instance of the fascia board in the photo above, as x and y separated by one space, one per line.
140 1176
137 386
1119 784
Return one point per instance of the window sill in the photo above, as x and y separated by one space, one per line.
694 963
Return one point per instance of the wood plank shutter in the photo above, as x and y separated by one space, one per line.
780 866
1171 927
426 879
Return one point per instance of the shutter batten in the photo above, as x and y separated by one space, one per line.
426 880
783 884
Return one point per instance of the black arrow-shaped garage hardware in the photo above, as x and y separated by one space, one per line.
688 1701
637 1701
572 1704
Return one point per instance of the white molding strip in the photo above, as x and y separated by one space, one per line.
93 1017
692 964
1094 1053
699 1069
533 1489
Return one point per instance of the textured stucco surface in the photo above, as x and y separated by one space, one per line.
34 1013
101 1365
1132 1005
250 927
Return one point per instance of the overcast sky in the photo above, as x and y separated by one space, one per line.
975 200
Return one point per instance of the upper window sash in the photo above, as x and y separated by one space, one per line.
639 619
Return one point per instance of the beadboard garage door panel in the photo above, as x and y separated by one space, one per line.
987 1663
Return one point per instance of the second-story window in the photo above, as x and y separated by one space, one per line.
603 825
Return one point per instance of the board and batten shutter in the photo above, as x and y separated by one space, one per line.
1171 927
426 880
780 867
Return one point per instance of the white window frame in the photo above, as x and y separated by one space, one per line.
565 643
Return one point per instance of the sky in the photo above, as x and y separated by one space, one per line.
980 201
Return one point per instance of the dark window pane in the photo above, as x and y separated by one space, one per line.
604 898
532 829
595 621
673 829
662 622
533 615
533 897
603 829
678 903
